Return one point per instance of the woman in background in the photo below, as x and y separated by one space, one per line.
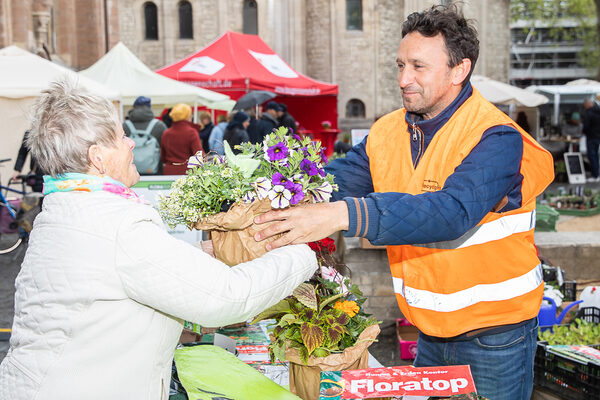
179 142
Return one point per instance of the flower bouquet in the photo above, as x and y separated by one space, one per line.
224 195
321 327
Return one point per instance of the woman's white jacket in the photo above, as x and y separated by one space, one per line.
102 293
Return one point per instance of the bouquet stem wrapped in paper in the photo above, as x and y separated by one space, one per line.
282 171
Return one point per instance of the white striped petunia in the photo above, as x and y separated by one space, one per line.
280 197
322 193
195 160
262 186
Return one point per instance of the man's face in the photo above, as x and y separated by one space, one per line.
273 112
428 85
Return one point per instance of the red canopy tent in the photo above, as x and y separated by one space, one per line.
237 63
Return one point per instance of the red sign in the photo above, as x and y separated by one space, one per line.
400 381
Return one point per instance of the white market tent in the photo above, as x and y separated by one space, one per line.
571 93
122 70
516 99
24 76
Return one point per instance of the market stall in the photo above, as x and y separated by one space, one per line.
24 76
236 63
122 71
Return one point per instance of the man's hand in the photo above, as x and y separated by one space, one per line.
303 224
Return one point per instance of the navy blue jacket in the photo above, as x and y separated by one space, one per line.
490 172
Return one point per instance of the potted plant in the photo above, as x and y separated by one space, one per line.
322 326
225 194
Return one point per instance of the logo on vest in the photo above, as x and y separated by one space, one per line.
430 186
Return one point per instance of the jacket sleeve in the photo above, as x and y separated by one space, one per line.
352 173
490 172
179 279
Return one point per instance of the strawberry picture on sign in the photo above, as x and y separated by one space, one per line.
396 381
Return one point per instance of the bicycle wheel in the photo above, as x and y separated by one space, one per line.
9 242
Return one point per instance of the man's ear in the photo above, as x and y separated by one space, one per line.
461 71
95 157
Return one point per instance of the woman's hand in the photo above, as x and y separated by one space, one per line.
207 247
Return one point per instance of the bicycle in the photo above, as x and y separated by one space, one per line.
11 234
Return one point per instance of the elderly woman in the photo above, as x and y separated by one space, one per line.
179 142
103 288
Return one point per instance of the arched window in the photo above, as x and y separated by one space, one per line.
186 27
354 15
151 21
355 109
250 16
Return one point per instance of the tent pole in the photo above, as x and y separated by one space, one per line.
196 112
556 107
121 110
212 114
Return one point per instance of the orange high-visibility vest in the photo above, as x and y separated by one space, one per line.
490 275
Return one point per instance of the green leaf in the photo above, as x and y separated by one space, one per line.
313 336
334 333
283 307
287 319
305 293
244 162
303 351
321 352
279 350
342 319
330 299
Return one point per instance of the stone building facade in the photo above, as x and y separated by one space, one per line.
313 36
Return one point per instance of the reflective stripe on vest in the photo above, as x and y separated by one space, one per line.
494 230
483 292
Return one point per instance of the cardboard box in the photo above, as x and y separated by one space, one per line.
407 339
365 244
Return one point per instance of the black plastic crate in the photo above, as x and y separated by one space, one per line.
569 290
589 314
570 379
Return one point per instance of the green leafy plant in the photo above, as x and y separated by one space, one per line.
580 332
318 319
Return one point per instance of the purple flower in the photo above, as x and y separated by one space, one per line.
296 190
322 172
278 152
309 167
304 151
322 193
297 137
278 179
323 157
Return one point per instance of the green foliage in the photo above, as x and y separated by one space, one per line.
202 192
557 14
580 332
318 319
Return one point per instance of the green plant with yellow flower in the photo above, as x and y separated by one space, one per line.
321 317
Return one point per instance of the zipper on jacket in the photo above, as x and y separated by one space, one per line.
418 135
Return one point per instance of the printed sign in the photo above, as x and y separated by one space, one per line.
396 381
149 187
203 65
274 64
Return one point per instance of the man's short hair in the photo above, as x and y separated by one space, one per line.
458 32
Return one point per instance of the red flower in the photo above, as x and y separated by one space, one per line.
320 245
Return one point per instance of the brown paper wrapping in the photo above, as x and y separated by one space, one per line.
232 232
305 379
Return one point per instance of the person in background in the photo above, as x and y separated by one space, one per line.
342 145
207 127
179 142
139 119
522 121
591 130
573 127
103 290
449 184
285 119
215 141
235 133
266 123
35 178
